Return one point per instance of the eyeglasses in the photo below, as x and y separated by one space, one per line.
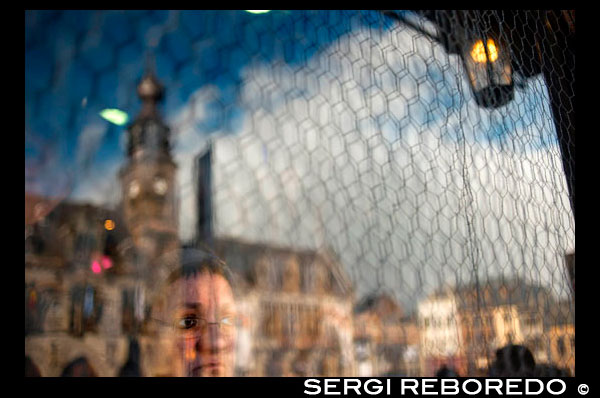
193 326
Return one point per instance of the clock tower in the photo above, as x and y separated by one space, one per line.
148 178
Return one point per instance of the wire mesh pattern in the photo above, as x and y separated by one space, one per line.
393 191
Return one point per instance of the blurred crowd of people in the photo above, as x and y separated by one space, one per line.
512 361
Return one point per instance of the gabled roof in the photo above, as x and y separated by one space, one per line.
242 257
503 291
72 220
381 302
37 207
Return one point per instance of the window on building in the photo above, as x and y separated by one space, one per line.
560 346
266 319
79 367
134 311
33 322
273 274
290 321
503 293
572 344
34 241
272 321
85 243
86 310
37 303
291 275
307 280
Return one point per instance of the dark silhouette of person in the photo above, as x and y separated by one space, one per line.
31 370
131 368
79 367
445 371
513 361
550 370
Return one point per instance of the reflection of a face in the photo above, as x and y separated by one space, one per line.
202 309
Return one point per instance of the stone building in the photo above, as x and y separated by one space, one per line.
88 268
297 310
502 312
90 272
386 339
463 327
82 297
561 335
441 340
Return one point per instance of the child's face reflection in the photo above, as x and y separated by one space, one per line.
202 309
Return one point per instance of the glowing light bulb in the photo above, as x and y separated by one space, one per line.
257 11
109 225
478 52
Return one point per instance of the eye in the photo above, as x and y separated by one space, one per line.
227 321
188 322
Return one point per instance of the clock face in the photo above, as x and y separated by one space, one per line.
160 186
134 189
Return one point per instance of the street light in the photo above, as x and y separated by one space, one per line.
488 64
486 56
546 47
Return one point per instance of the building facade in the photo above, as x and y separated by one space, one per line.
386 339
298 310
441 337
88 269
90 273
462 327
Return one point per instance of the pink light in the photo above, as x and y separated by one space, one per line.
96 267
106 262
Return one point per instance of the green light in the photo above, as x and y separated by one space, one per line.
115 116
257 11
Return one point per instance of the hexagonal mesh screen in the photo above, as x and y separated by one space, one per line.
299 193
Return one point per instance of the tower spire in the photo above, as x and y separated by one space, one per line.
148 177
150 62
150 91
148 134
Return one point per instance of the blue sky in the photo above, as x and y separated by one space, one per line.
80 62
311 112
